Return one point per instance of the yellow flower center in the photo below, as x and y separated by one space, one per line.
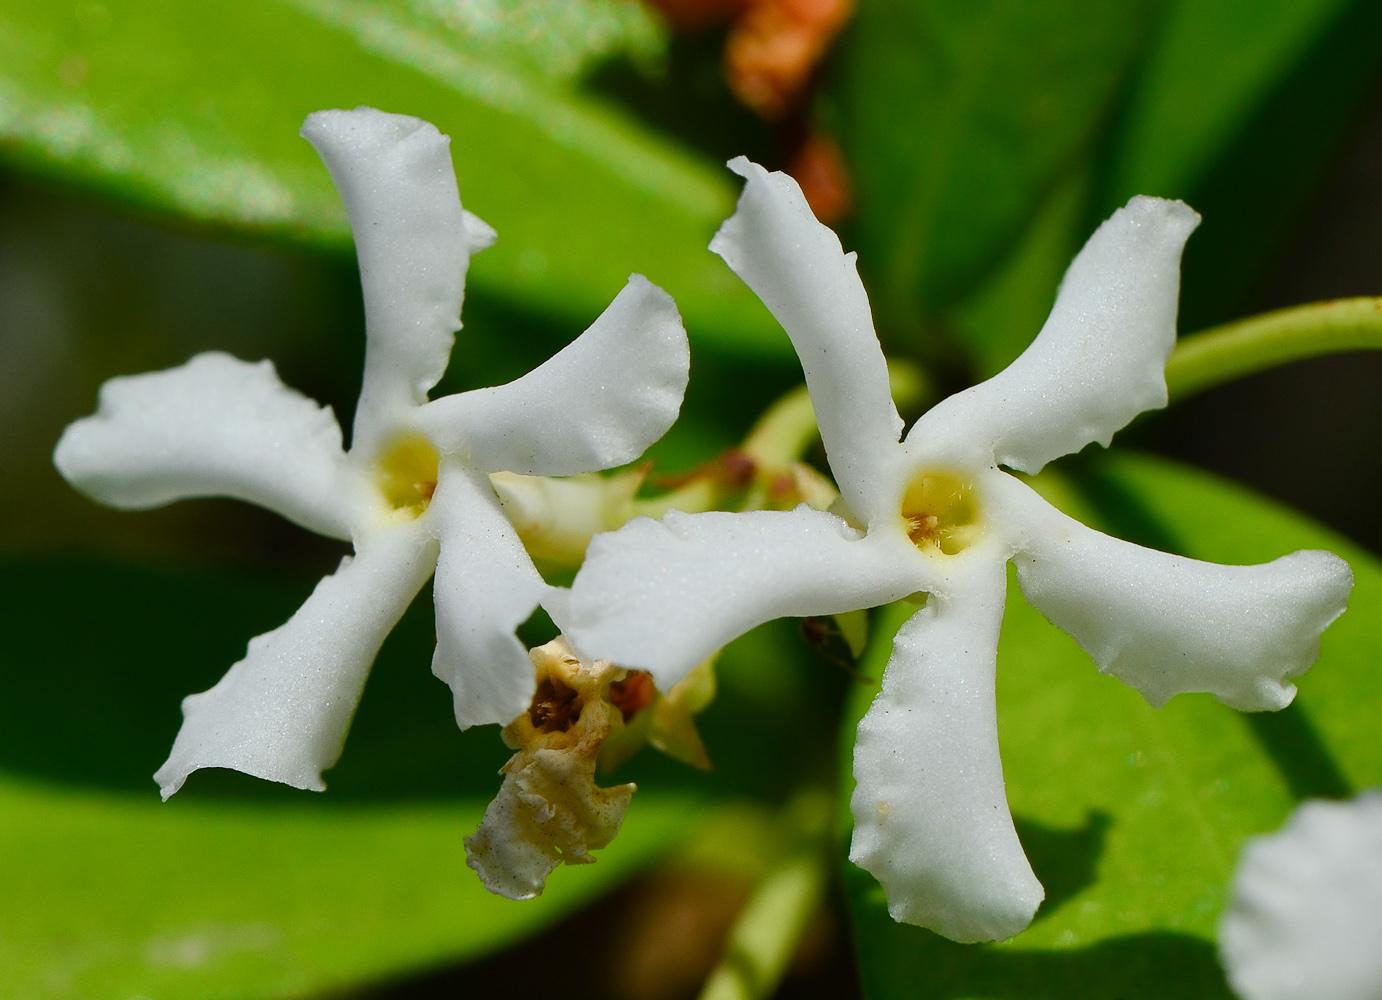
407 474
941 512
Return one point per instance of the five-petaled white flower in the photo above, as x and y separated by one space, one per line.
1305 921
940 516
412 494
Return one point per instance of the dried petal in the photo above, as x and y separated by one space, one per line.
549 809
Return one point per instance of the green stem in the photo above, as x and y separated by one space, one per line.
1227 352
768 930
770 927
788 429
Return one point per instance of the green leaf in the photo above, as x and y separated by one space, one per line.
1234 107
246 888
958 119
1133 817
239 887
107 896
1214 63
1240 110
194 110
1209 518
998 322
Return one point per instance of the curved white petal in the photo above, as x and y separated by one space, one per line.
663 595
486 587
414 243
931 818
799 270
1099 361
1305 921
1167 625
596 404
216 426
282 712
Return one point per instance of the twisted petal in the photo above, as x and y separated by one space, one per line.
1167 625
1101 357
1306 915
797 267
486 587
282 712
596 404
663 595
931 819
414 243
216 426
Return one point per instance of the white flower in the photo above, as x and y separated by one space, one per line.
941 517
413 491
1305 922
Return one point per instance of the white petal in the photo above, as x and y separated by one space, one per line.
1305 922
1168 625
931 818
414 243
663 595
216 426
282 712
486 587
799 270
596 404
1100 359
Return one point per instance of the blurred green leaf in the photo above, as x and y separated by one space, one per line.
1240 110
998 321
958 119
1133 817
1235 108
194 110
106 896
1214 63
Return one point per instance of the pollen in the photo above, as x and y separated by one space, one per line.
407 474
940 512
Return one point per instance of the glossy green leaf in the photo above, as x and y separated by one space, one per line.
243 888
238 887
1133 817
194 110
957 119
106 896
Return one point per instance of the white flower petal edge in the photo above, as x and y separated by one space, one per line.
216 426
623 380
1168 625
651 596
1305 920
282 712
219 426
804 277
1099 360
414 244
486 587
931 818
663 595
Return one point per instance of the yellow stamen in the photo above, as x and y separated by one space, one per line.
940 512
407 473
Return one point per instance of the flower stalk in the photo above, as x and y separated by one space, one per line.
778 912
1243 347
